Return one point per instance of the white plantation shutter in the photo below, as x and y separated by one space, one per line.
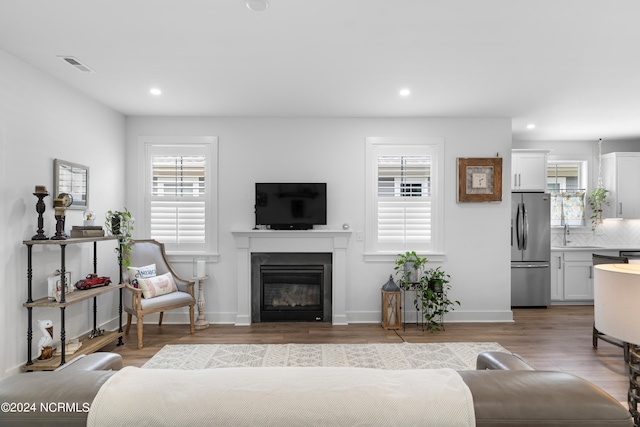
179 196
403 202
178 199
401 195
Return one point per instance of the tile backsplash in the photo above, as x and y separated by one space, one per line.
624 233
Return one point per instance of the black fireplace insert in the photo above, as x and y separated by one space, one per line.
291 287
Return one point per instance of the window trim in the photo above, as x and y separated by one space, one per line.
210 146
437 195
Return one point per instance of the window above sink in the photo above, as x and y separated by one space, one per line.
567 183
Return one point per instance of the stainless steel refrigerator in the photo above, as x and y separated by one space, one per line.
530 250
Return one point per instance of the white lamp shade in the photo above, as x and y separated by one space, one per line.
616 293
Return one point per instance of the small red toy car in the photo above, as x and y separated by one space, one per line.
93 281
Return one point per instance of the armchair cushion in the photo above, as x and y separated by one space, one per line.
136 273
174 298
155 286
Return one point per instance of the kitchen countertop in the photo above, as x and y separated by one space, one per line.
570 248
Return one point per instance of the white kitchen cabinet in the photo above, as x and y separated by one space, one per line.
557 288
621 176
572 275
529 170
578 280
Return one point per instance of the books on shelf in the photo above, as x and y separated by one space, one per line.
71 346
87 231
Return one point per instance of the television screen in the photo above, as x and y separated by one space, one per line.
295 206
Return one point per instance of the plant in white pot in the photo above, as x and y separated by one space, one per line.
408 268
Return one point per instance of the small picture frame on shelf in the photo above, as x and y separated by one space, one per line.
55 285
479 180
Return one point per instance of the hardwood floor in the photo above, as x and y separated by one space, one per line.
557 338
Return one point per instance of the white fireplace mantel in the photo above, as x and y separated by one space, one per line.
330 241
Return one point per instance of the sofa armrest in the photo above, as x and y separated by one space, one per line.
525 398
50 399
62 397
101 361
501 361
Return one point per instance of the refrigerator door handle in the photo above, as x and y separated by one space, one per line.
525 228
518 228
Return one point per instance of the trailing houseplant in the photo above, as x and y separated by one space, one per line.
433 289
120 224
597 198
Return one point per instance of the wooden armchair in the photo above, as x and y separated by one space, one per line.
146 252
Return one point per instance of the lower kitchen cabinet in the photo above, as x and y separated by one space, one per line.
557 288
572 275
578 280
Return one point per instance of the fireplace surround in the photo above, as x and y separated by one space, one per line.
334 242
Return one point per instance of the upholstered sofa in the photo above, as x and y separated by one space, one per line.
505 391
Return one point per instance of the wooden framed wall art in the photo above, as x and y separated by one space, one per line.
479 179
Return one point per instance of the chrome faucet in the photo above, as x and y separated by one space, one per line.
565 234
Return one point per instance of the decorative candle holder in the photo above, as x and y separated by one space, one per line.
199 267
41 192
60 219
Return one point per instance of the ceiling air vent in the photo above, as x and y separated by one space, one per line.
76 64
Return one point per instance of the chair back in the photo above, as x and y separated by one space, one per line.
608 259
145 252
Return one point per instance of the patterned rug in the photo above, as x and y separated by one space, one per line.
458 356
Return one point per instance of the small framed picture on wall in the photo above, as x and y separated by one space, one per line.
479 179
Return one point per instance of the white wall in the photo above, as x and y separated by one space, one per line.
333 151
42 119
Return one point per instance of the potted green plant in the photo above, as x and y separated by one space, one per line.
408 269
120 224
435 303
597 198
436 279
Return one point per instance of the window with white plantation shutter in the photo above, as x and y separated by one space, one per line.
179 196
401 195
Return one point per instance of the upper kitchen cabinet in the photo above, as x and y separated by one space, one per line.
621 176
529 170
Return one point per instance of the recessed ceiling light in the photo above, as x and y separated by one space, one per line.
531 126
155 91
257 5
405 92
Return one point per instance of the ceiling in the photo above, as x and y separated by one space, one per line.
571 67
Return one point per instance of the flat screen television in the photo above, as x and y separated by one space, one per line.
291 206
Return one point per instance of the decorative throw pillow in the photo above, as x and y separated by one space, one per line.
136 273
156 286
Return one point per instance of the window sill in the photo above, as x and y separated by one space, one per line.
187 257
391 257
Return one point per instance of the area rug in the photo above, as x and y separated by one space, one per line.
458 356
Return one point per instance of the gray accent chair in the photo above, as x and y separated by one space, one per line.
145 252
